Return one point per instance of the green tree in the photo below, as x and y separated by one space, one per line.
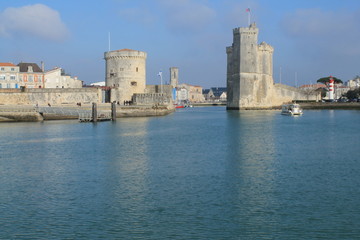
352 94
326 80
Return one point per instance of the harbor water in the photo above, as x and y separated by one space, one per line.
199 173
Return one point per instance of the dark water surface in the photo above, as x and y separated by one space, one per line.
201 173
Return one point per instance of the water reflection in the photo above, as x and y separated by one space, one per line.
128 174
251 160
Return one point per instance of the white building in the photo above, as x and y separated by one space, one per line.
9 75
56 78
354 83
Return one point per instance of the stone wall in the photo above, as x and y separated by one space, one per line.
126 73
52 96
151 99
168 89
286 93
250 84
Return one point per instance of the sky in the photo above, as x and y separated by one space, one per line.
311 38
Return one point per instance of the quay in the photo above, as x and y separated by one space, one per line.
84 113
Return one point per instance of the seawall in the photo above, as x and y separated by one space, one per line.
29 113
49 95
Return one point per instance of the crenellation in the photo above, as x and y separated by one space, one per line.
125 73
250 81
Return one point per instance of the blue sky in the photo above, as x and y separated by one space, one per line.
312 38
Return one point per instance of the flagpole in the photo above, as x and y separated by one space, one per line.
161 87
248 11
109 41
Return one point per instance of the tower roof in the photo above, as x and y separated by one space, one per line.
125 49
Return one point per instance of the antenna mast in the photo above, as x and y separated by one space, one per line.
109 41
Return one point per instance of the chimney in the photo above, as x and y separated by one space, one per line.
42 66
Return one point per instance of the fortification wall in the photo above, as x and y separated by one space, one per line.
43 96
256 90
168 89
152 98
284 93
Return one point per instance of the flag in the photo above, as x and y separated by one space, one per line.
248 9
160 73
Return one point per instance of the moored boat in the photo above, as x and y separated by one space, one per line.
291 109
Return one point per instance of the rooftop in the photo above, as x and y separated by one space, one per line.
125 49
7 65
24 67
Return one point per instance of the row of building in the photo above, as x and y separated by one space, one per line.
340 89
30 75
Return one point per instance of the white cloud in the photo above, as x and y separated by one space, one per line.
336 32
36 20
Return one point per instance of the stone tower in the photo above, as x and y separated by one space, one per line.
174 76
249 70
125 73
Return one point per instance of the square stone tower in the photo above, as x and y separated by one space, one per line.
174 77
249 70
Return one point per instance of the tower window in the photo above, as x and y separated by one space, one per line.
133 83
137 69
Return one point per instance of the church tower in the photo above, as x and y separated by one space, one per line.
174 77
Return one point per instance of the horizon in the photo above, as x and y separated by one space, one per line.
310 40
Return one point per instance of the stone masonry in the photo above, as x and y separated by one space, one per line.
250 81
125 73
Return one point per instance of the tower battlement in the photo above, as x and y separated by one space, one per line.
265 47
125 73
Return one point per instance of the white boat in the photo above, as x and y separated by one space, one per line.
291 109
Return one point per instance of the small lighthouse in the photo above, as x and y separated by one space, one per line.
331 88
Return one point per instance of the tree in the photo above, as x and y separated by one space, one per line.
326 80
352 94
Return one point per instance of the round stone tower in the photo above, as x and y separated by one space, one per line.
125 73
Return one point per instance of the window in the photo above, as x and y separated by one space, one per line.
133 83
2 77
12 77
31 78
21 78
2 69
137 69
112 74
121 69
8 85
12 69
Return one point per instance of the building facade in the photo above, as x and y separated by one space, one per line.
31 75
9 75
57 78
354 83
125 73
189 93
